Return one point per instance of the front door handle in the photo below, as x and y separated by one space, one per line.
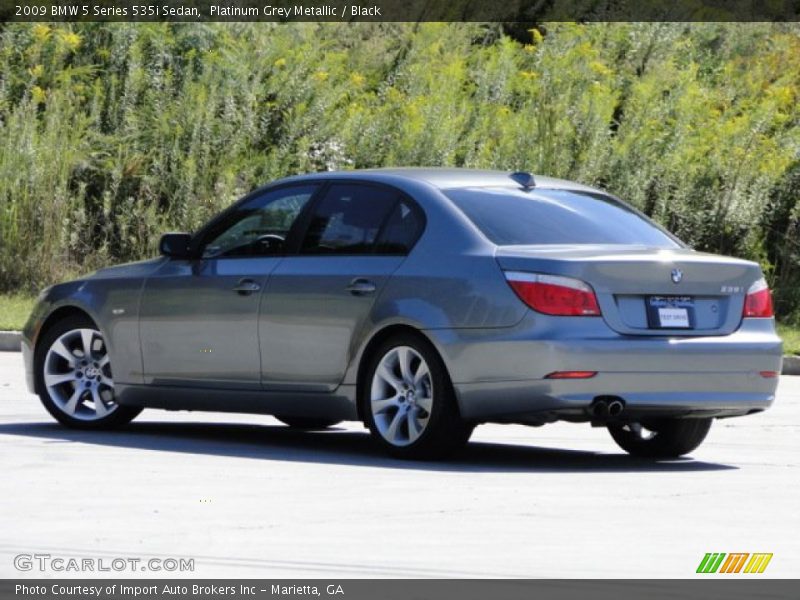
246 287
361 287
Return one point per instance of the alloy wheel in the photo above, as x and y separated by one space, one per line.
401 396
77 375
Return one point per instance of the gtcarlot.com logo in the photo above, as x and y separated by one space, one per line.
735 562
118 564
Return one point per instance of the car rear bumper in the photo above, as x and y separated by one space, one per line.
502 375
643 394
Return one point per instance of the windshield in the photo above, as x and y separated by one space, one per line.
541 216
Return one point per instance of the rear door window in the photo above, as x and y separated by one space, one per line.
349 219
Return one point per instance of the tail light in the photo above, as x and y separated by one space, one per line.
758 302
554 295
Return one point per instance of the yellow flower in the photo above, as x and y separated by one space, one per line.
537 36
280 63
599 68
783 95
41 32
394 95
36 71
321 76
357 79
529 74
71 39
38 94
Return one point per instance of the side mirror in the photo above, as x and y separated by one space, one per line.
175 245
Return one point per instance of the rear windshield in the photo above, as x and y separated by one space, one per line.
509 217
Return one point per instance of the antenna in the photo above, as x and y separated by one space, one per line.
526 180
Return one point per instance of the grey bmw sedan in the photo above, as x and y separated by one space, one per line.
422 302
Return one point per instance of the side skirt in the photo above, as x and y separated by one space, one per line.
340 405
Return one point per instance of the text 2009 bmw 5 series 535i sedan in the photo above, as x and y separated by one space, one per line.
421 302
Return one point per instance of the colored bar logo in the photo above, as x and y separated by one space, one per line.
735 562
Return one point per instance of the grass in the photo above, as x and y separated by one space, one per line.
14 311
791 338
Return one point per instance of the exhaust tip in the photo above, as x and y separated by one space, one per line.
603 408
615 408
600 409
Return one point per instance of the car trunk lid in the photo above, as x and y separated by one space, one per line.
648 291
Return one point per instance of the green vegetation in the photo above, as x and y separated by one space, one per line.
791 339
14 311
113 133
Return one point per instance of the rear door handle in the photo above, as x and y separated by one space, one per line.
361 287
246 286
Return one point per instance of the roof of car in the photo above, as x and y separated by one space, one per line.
449 178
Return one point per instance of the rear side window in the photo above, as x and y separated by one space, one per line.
509 217
348 219
401 230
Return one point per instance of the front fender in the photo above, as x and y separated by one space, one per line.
112 304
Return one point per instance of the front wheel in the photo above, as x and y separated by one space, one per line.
74 379
662 438
408 402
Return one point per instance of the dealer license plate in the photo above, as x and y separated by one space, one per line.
670 312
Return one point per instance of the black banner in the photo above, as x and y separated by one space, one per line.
525 11
361 589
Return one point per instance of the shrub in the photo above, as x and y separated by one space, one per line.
113 133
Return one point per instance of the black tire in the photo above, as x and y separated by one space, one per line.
445 431
670 438
120 415
307 424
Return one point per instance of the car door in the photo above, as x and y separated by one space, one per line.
198 317
319 298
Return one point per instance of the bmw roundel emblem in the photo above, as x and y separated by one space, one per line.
677 275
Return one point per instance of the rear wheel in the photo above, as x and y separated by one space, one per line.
74 379
408 402
662 438
307 423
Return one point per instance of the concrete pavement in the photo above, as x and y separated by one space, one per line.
247 497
